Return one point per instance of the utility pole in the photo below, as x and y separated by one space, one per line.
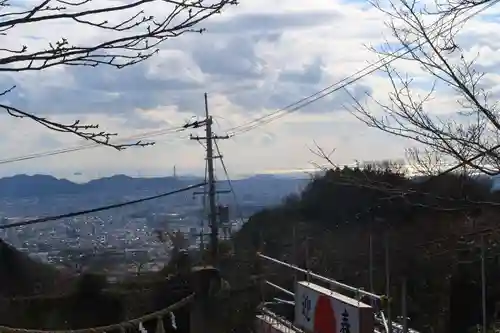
212 217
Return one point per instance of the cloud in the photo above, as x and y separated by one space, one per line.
252 60
233 57
310 74
271 22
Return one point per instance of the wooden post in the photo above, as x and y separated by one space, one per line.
204 281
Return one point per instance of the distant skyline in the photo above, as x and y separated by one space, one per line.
255 58
80 177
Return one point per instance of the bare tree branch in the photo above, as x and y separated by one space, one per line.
87 132
457 7
132 38
425 162
320 152
473 129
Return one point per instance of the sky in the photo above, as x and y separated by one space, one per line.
252 60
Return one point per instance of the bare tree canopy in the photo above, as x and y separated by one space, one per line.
125 33
429 39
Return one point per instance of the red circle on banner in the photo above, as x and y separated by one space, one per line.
324 316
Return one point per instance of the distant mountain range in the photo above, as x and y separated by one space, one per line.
25 186
265 185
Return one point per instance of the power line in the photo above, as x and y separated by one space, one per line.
141 136
323 93
89 146
235 198
240 129
98 209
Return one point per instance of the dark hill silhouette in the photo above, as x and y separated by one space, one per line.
22 276
124 184
36 185
24 186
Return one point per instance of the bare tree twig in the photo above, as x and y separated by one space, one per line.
399 192
134 37
320 152
474 129
425 162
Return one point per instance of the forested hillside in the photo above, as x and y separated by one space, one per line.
432 229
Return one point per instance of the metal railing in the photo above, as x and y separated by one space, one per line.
358 291
379 315
279 320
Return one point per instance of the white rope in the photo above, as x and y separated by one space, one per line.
121 326
142 329
172 319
